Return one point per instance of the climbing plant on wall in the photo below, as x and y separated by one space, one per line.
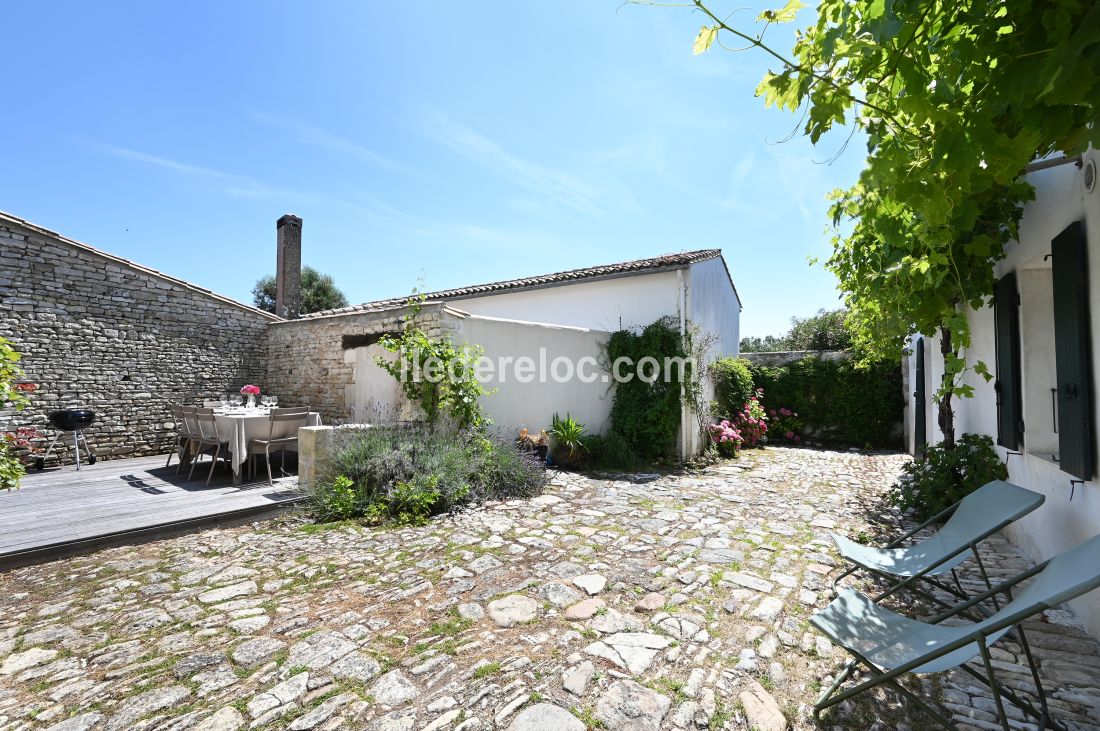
436 374
646 412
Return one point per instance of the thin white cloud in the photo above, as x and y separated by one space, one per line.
311 134
546 182
237 185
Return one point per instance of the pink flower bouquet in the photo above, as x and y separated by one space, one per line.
250 390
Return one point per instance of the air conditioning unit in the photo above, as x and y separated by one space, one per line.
1088 174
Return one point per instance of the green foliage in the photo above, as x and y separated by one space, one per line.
405 474
319 292
435 374
784 424
646 413
944 476
612 451
733 385
11 396
567 440
955 100
839 401
827 330
766 344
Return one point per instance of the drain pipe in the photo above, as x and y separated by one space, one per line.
685 437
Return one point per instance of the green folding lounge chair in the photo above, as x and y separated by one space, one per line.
889 645
973 519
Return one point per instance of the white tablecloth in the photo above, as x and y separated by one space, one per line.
241 428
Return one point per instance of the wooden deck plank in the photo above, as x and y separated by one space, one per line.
114 497
68 520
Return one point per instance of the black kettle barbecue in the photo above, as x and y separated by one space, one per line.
74 420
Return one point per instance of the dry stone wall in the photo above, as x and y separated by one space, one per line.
101 332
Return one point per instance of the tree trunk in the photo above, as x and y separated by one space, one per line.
946 415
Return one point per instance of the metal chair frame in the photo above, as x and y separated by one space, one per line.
182 436
207 440
276 439
1013 623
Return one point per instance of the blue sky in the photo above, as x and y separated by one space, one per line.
450 142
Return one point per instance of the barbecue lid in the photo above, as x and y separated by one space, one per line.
71 418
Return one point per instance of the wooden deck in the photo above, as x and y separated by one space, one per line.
61 511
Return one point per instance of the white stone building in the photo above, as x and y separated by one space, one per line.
1038 335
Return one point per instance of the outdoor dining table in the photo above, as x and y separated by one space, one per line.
241 426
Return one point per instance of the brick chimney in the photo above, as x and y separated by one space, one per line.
288 267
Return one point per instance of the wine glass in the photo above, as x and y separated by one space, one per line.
274 400
237 400
224 398
265 401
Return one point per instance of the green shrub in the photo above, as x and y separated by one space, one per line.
837 402
407 474
943 477
612 451
733 385
13 394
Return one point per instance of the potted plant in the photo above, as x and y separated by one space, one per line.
537 443
567 440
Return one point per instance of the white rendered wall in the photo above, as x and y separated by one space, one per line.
713 306
1059 524
533 405
378 397
607 304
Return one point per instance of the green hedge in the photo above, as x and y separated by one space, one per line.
733 386
838 403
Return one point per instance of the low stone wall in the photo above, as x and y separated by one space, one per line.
102 332
315 445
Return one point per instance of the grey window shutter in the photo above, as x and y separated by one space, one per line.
1006 304
1072 349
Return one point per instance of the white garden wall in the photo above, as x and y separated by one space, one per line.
533 405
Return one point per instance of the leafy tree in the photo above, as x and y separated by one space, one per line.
955 100
319 292
757 344
827 330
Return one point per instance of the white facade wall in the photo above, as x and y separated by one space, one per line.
713 305
618 303
1059 524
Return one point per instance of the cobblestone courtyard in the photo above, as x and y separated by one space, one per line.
656 602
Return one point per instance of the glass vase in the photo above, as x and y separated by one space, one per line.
251 401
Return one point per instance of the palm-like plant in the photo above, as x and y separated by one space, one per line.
568 434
